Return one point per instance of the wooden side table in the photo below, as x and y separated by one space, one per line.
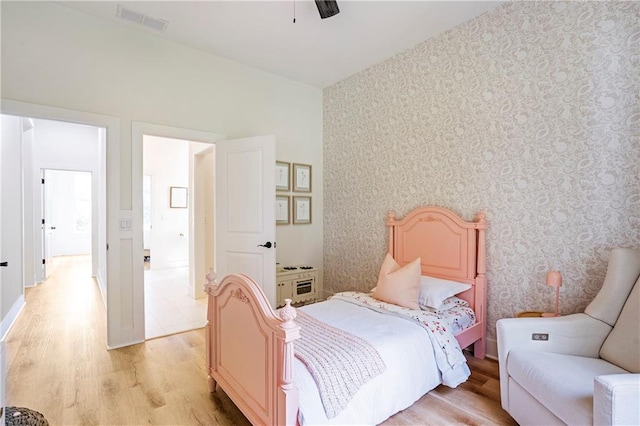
529 314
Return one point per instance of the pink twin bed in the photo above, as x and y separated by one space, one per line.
250 347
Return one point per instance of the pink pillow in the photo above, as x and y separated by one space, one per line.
400 286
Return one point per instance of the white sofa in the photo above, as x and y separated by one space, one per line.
587 372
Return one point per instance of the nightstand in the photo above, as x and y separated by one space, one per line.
529 314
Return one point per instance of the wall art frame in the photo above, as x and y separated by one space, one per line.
178 197
282 210
283 176
301 177
301 210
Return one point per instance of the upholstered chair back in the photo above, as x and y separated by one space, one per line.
622 273
622 345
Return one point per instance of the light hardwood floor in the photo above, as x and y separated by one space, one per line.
58 365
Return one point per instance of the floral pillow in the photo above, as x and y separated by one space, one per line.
434 291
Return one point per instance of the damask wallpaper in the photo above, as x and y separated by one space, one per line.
530 112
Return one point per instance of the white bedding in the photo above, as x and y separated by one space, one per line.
460 318
406 350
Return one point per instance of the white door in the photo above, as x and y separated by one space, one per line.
2 366
69 212
245 226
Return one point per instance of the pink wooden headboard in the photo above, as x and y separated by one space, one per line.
448 246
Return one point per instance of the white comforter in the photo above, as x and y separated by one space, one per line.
406 350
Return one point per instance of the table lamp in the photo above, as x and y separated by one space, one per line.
554 279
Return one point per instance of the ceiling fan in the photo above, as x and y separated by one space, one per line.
327 8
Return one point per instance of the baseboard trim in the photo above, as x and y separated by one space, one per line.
102 287
492 348
11 317
122 345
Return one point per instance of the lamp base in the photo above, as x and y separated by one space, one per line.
550 314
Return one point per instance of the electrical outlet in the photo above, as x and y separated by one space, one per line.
540 336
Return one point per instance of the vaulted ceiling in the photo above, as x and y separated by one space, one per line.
318 52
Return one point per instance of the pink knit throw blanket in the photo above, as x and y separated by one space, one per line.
338 361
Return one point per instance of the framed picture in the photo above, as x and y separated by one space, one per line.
301 177
282 176
282 209
178 197
301 210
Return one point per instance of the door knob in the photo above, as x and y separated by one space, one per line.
4 264
267 244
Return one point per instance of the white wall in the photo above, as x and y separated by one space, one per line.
11 217
101 215
167 162
115 70
30 226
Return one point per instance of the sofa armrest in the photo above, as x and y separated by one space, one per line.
615 399
577 334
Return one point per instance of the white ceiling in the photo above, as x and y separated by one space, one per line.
318 52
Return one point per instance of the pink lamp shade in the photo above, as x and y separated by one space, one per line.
554 279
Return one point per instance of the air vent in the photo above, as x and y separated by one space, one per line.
140 19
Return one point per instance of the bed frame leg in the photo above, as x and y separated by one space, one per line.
479 349
212 384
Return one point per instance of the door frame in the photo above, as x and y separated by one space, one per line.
138 131
201 248
112 125
47 197
45 208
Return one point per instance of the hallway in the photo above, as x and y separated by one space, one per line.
58 364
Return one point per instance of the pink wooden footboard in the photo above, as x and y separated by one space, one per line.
250 350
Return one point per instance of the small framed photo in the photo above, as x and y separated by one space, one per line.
282 209
178 197
282 176
301 177
301 210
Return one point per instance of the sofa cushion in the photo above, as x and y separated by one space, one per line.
562 383
622 345
526 410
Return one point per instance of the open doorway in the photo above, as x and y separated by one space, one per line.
67 228
68 231
71 158
244 205
171 196
68 189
